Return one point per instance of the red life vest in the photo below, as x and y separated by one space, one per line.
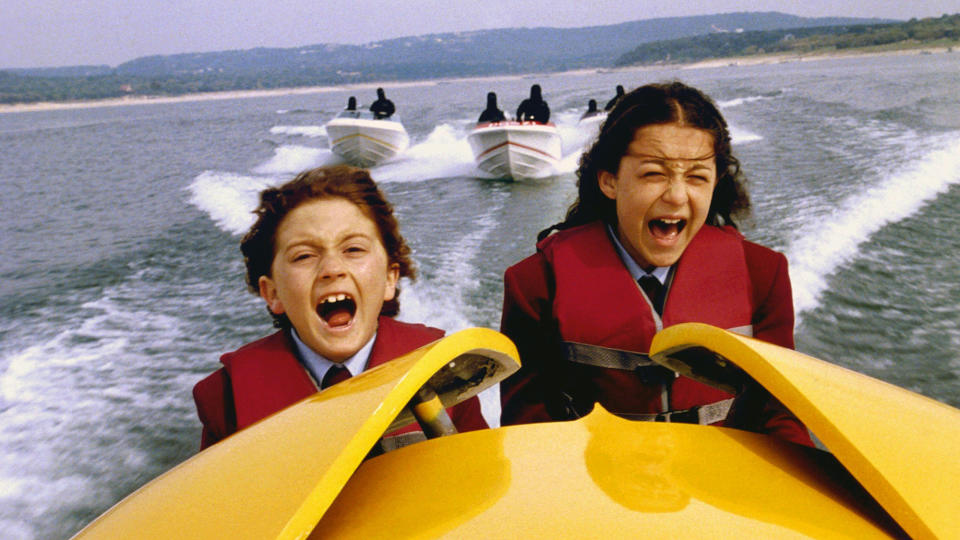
598 303
261 388
265 376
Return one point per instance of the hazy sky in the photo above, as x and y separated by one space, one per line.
41 33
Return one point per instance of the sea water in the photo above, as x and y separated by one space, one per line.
123 281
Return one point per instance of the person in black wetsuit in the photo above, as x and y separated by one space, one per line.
382 107
613 101
591 109
351 103
534 108
491 113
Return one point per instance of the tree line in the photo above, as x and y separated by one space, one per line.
916 32
16 88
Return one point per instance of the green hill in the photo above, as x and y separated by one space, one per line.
914 33
462 54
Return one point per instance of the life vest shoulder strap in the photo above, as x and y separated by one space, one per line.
605 357
610 358
651 373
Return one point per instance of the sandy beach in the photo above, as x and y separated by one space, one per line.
784 58
240 94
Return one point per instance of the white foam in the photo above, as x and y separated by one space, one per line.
93 370
293 159
574 137
17 530
570 162
832 240
303 131
741 136
228 198
421 302
736 102
445 153
440 304
441 301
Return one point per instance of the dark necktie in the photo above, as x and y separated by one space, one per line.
654 290
334 375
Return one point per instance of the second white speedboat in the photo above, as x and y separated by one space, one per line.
365 141
517 150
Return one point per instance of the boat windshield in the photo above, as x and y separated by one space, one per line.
365 114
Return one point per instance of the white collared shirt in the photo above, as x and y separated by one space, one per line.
318 366
659 272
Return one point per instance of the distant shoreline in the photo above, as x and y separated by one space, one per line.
241 94
783 58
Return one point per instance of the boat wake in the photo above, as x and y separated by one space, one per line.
291 159
303 131
833 240
443 154
736 102
742 136
74 401
228 198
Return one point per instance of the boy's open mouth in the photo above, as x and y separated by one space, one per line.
337 309
666 228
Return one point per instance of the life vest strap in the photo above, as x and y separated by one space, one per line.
710 413
605 357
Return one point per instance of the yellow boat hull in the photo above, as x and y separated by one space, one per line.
302 472
600 477
902 447
276 478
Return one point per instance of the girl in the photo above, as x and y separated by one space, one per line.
649 242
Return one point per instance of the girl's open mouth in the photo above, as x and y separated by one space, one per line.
665 229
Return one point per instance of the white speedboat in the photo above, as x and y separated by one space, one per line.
517 150
364 141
